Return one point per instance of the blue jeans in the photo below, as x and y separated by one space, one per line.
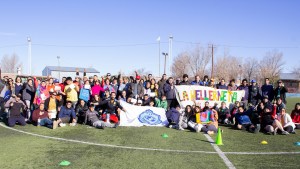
46 122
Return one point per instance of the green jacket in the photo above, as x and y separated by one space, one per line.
161 104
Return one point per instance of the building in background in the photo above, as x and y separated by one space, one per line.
59 72
291 81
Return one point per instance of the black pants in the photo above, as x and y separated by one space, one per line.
13 120
172 103
289 129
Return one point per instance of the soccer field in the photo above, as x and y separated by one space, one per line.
128 147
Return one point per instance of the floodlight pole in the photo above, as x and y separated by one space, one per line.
29 55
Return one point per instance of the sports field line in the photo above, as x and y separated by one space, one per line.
220 152
145 149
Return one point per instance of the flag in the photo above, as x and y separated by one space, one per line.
158 39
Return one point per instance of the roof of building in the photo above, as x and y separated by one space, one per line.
289 76
71 69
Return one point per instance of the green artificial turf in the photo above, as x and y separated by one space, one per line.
19 150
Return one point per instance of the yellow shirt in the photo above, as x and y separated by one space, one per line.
52 105
71 93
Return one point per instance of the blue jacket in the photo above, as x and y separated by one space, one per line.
66 112
169 92
268 90
195 83
242 118
203 83
173 115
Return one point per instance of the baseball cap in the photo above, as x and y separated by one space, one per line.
253 81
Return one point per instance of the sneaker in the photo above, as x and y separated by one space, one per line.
210 132
180 128
197 128
275 131
285 133
72 124
55 124
170 126
117 125
293 132
62 124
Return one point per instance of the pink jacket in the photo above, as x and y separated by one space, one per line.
96 90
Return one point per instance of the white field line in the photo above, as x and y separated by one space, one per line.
146 149
220 152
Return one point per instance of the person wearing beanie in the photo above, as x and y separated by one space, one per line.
254 93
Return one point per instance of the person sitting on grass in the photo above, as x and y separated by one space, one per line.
279 106
93 118
295 115
173 116
67 115
194 121
41 117
111 107
286 122
16 107
185 117
209 120
224 114
269 122
80 111
234 111
52 105
243 122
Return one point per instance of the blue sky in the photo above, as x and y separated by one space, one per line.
105 34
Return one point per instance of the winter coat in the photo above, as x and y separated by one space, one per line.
267 90
254 94
281 92
28 92
169 92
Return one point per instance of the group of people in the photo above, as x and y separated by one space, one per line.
96 101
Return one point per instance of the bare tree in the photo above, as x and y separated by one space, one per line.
250 68
141 72
198 60
227 67
296 70
271 65
9 64
181 65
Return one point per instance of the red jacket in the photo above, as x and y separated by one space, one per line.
36 115
295 115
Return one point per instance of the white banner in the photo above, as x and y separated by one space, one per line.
142 116
188 94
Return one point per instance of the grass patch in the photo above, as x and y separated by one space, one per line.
19 150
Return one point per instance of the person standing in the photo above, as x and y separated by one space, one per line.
169 90
71 90
267 89
281 91
254 93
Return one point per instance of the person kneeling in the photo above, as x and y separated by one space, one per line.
94 119
67 115
16 107
41 117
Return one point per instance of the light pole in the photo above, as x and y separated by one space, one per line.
165 54
170 53
29 55
158 40
58 57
